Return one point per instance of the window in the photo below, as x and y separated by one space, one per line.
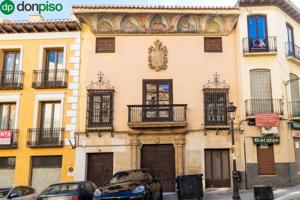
257 32
265 160
54 59
294 87
7 115
50 115
7 162
156 94
105 45
290 42
213 44
215 102
100 108
11 66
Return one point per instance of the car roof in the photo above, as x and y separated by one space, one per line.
135 170
71 182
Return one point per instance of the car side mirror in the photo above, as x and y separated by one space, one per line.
13 195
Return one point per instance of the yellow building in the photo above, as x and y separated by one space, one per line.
39 75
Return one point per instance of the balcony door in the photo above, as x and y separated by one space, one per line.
50 122
290 42
261 91
157 100
10 67
257 33
7 116
54 65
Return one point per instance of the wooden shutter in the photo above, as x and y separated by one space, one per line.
260 81
265 159
213 44
295 96
105 45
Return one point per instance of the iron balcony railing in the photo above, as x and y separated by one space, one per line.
292 50
11 80
9 138
254 106
295 108
157 113
54 78
253 45
45 137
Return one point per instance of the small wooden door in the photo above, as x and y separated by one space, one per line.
160 160
100 168
297 153
217 168
265 160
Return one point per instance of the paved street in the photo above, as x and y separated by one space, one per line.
292 193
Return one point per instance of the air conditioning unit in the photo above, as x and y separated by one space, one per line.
269 130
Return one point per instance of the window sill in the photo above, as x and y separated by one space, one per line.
249 54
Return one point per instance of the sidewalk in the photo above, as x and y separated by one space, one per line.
290 193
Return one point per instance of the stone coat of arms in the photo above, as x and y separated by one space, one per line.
157 58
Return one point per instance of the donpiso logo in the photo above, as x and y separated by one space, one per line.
7 7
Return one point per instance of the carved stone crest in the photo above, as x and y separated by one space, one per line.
157 58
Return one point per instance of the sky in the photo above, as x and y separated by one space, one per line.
67 6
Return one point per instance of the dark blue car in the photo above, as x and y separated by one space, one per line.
131 185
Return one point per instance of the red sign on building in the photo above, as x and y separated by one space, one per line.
5 137
267 119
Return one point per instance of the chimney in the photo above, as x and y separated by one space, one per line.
35 18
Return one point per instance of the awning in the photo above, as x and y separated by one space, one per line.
295 125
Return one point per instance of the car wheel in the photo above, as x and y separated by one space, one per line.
161 197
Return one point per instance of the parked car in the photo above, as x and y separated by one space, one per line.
82 190
133 184
18 193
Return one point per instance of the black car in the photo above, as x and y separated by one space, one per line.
82 190
133 184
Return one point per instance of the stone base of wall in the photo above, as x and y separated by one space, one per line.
286 175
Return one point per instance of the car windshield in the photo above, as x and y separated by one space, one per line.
4 192
128 176
68 188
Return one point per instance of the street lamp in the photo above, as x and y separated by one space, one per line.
231 110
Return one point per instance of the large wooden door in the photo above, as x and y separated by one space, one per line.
265 160
100 168
160 160
217 170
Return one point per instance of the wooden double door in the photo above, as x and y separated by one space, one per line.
217 168
100 168
160 160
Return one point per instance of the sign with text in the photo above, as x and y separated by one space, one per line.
5 137
267 119
266 140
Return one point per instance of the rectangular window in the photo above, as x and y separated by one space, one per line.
290 42
215 103
54 59
265 160
11 67
212 44
7 170
105 45
7 115
50 115
257 33
100 108
158 95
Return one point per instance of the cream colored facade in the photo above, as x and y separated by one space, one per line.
188 66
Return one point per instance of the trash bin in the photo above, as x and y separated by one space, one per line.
263 192
189 187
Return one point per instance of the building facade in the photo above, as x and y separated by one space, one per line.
154 92
38 100
268 62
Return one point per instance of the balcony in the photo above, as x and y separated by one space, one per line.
156 116
254 106
10 80
9 138
45 137
295 110
292 52
56 78
260 46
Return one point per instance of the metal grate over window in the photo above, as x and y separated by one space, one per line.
7 163
215 101
99 108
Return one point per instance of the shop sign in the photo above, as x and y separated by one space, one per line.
267 119
266 140
5 137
